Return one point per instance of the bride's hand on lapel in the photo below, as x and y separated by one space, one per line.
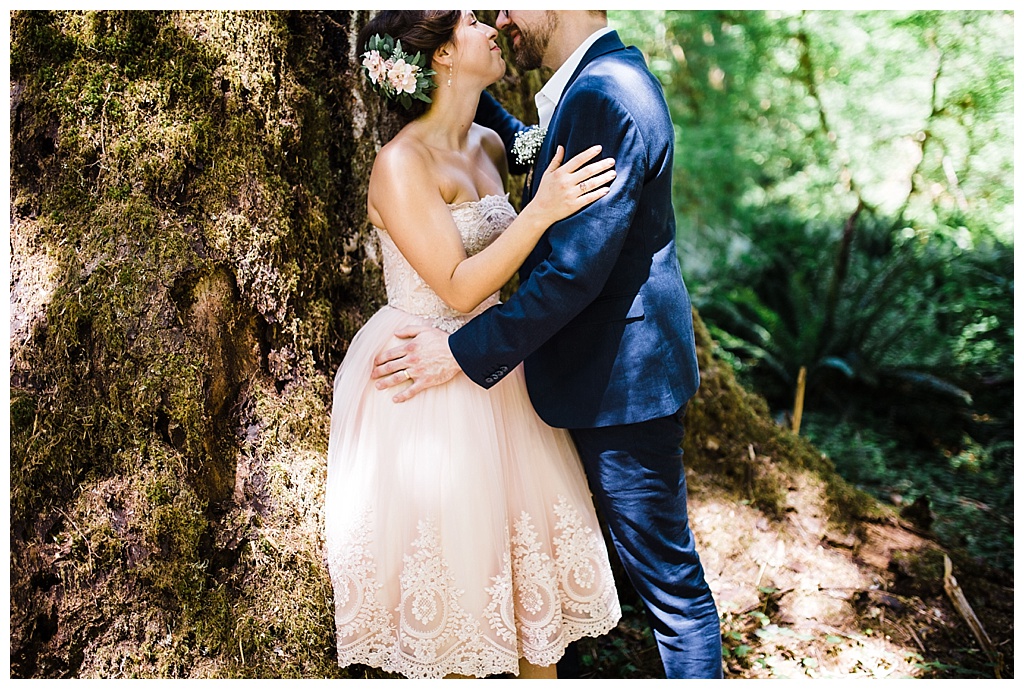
565 189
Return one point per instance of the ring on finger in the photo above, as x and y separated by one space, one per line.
583 187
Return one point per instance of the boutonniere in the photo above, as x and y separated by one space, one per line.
527 143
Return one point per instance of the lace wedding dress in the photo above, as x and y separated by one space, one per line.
460 531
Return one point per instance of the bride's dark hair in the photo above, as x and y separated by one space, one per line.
422 31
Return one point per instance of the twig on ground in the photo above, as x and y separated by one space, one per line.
956 595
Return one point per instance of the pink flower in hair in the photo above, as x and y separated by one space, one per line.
394 74
375 66
403 77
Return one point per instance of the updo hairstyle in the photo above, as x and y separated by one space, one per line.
422 31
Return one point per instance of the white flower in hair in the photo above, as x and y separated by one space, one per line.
403 77
395 74
375 66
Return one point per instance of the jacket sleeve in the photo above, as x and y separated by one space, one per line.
491 114
579 251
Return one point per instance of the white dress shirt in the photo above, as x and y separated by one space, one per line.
547 98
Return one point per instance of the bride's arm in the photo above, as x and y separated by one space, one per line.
404 194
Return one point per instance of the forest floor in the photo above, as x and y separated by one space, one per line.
799 600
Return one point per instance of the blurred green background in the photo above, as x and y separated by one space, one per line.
844 202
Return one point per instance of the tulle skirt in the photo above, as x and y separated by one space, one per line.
461 535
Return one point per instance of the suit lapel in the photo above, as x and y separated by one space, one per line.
608 43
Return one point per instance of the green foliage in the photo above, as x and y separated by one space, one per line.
629 651
968 491
853 305
816 111
849 211
916 343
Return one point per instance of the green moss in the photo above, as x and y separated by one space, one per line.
919 572
37 39
731 435
290 635
164 154
23 411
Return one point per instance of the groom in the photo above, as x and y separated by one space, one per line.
601 318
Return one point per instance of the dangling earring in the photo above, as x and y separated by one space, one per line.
449 76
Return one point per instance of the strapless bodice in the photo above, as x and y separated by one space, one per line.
479 223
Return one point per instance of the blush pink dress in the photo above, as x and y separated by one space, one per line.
460 531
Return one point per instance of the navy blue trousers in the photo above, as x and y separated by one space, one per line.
636 475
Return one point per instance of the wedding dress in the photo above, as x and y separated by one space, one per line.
460 531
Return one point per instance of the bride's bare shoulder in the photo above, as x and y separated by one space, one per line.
398 159
402 147
492 146
489 140
406 175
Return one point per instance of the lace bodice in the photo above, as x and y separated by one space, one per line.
479 223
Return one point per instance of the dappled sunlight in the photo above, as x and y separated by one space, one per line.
796 597
191 261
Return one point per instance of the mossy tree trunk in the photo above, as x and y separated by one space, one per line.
190 257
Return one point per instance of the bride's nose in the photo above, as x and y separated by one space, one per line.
491 32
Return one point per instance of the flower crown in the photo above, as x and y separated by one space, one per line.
395 74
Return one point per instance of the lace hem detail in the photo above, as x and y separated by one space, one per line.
542 599
363 626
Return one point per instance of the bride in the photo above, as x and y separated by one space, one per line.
461 536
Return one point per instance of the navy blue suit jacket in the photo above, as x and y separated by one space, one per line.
601 316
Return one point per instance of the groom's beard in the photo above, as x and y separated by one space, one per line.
533 43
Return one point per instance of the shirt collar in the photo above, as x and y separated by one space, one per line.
547 98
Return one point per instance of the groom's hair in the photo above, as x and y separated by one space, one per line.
600 13
420 31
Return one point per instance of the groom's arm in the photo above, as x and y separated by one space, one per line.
584 247
491 114
583 251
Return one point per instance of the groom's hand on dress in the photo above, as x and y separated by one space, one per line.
424 359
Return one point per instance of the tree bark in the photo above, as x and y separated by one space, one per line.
190 256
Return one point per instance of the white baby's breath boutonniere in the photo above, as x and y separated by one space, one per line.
527 144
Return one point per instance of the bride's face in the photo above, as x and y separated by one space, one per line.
477 51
